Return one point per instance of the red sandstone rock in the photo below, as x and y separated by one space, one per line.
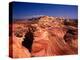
51 37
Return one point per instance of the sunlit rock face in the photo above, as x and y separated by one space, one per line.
49 39
49 36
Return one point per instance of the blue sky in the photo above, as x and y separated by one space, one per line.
23 10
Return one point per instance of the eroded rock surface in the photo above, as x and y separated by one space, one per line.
50 36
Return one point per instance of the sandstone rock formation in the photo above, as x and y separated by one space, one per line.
50 36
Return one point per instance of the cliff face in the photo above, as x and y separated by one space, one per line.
48 37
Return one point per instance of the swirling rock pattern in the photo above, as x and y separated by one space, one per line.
49 36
